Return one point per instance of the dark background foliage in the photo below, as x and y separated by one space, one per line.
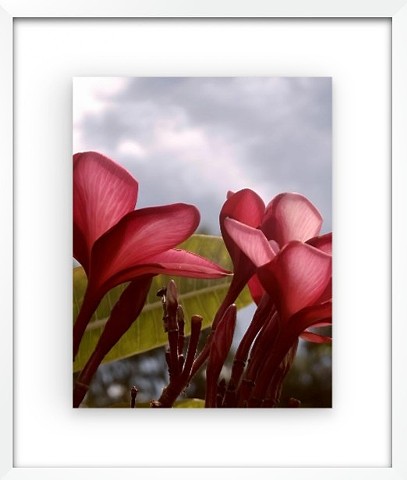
309 380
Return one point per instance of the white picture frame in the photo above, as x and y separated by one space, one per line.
394 9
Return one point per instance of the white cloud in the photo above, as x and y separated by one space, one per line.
133 148
91 96
193 139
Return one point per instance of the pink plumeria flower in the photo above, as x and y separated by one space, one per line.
297 277
115 243
288 217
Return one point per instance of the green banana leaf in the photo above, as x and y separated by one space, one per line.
197 296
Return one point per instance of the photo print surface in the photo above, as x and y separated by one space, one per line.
202 243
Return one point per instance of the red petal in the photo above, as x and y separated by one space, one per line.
297 277
229 194
222 339
291 216
246 207
251 241
324 243
313 316
103 192
308 317
326 294
256 289
173 262
323 323
139 235
315 337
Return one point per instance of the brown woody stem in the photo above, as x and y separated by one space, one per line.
178 383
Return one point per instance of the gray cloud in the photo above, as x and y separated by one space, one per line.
193 139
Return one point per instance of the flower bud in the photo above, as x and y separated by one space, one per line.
222 340
172 298
223 337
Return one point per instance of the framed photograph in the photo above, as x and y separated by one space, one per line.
207 149
361 50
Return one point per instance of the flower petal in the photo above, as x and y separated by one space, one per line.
322 323
103 192
307 317
246 207
297 277
140 235
291 216
256 289
179 263
251 241
313 316
324 243
327 293
315 337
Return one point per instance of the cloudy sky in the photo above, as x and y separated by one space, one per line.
193 139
